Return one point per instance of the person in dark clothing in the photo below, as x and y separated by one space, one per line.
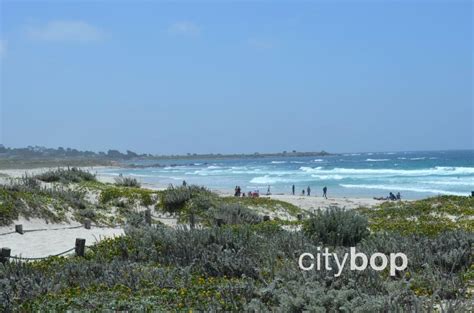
184 183
325 190
293 190
302 192
399 197
308 191
392 196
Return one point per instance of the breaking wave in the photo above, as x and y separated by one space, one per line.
438 170
395 188
377 160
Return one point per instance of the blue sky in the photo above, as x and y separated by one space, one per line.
163 77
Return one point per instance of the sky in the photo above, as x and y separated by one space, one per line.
237 77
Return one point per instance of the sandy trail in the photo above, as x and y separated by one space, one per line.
51 241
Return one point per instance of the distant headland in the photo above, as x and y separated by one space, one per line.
37 156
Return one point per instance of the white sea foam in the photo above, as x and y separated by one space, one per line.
377 160
141 175
269 180
417 159
459 182
438 170
278 162
318 160
395 188
309 169
328 177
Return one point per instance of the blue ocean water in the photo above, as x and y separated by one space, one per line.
413 174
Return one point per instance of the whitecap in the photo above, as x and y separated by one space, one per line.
141 175
377 160
269 180
310 169
438 170
328 177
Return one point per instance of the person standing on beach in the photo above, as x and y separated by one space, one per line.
293 190
308 191
325 190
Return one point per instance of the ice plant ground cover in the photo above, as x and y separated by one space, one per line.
246 263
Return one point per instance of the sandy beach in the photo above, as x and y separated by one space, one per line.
56 238
314 203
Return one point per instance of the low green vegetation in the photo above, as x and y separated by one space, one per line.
243 263
205 207
131 195
426 217
266 203
68 191
26 197
127 182
66 175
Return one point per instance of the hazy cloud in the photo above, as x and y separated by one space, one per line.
184 28
66 31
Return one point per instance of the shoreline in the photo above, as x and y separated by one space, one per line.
305 202
54 238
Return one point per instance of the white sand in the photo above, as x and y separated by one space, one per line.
314 203
50 242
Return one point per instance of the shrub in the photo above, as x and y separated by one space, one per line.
233 214
336 227
66 175
131 194
174 199
127 182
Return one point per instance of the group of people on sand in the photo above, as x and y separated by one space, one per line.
239 193
391 196
308 191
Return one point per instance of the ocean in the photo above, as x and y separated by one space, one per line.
414 174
